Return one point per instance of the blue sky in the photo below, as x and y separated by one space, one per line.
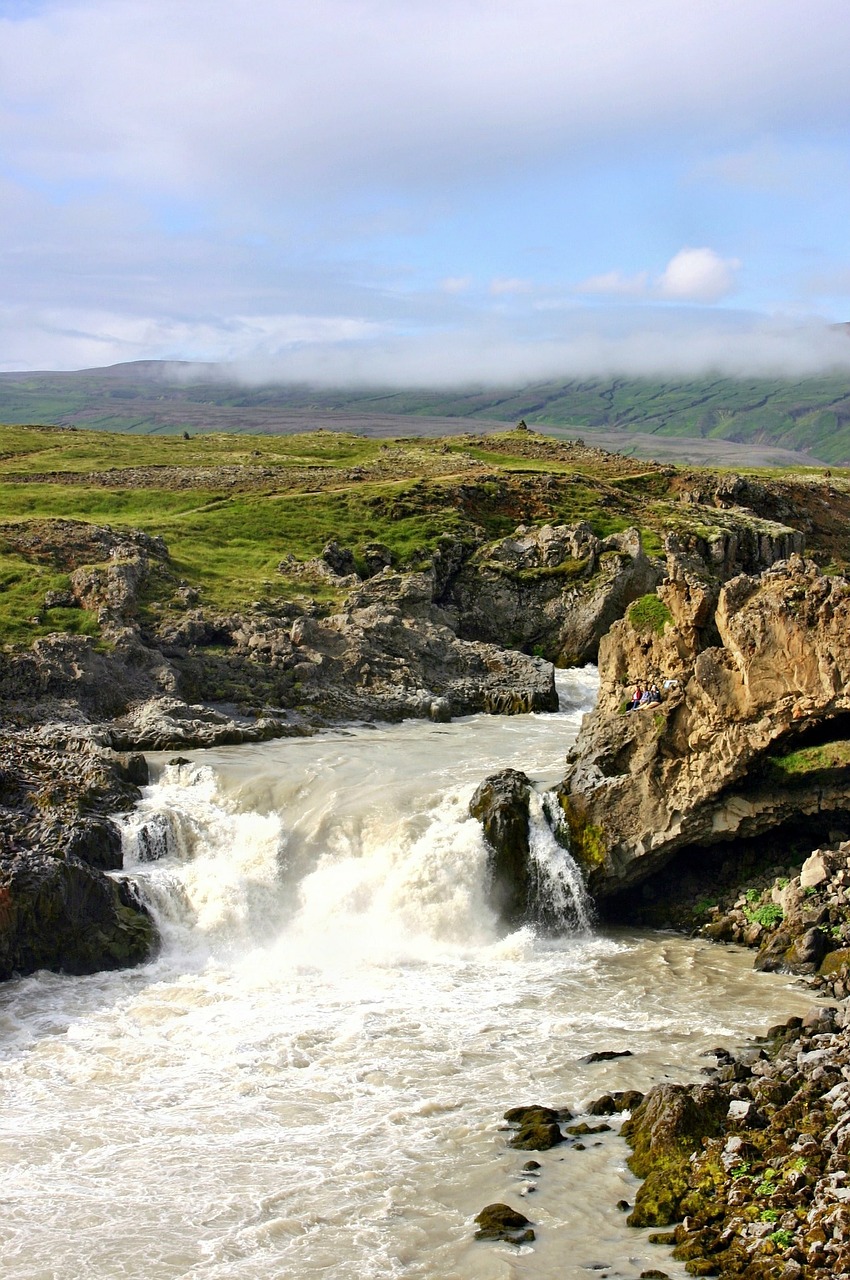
426 191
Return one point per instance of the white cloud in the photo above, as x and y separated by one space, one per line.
191 173
664 344
697 275
456 284
691 275
79 337
206 94
503 285
616 284
349 350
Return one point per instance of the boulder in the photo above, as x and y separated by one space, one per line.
501 1222
664 1130
538 1128
500 804
62 914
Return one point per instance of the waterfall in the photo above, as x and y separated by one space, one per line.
559 901
331 867
308 1078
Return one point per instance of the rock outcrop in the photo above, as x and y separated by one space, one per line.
755 676
556 589
500 804
60 913
58 908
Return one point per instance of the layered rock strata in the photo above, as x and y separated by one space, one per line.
752 674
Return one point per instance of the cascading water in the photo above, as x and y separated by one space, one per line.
560 902
307 1082
390 869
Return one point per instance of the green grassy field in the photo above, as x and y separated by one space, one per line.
233 508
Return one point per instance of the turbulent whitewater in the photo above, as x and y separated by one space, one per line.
309 1079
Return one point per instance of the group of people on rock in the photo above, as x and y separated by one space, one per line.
644 697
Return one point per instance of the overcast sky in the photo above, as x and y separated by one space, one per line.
426 190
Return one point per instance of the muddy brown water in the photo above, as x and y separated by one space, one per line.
309 1080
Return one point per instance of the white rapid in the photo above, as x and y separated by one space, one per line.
309 1079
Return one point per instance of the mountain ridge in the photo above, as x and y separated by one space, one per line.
808 417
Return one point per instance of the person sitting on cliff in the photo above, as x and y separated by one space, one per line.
654 693
637 694
645 698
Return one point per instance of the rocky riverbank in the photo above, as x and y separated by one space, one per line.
745 1173
752 1166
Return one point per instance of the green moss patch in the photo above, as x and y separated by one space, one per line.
811 761
24 587
649 614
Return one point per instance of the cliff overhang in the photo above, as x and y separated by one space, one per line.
752 730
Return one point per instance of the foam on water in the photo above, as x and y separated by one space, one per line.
308 1080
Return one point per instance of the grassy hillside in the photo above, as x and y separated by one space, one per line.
234 509
812 415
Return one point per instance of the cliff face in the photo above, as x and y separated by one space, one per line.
750 731
553 588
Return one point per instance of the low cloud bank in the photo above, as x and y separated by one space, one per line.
458 359
529 345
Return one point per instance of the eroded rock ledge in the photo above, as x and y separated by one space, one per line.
756 677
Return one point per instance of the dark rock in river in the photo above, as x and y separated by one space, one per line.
538 1127
606 1055
501 1222
62 914
501 805
520 886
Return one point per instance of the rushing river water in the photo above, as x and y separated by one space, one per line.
309 1079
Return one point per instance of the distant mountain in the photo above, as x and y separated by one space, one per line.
809 416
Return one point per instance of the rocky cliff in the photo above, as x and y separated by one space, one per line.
755 688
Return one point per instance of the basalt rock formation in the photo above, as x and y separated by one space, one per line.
58 910
756 678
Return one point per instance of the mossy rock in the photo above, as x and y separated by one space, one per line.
501 1222
834 961
538 1127
660 1195
587 840
671 1122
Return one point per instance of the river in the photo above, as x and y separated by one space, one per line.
309 1080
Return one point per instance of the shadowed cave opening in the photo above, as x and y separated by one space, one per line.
818 734
681 892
